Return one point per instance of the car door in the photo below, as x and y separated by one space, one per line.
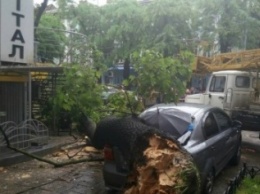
228 134
217 91
213 140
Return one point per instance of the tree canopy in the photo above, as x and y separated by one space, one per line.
51 39
229 23
158 38
123 26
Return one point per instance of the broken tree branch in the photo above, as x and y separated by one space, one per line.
55 164
75 154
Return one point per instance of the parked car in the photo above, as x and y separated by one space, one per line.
108 91
206 132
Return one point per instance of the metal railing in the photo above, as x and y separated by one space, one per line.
25 135
245 171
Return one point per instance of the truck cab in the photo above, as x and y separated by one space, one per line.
231 90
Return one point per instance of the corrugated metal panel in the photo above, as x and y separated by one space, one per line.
12 102
240 99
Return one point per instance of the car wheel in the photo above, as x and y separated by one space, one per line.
236 158
209 181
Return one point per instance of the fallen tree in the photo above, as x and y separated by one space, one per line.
158 163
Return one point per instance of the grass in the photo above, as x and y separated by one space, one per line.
249 186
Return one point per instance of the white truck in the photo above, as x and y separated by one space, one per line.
236 92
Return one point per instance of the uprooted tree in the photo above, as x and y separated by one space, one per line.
158 163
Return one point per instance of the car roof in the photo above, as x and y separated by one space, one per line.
189 108
175 118
231 72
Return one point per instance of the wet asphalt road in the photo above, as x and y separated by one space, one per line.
83 178
44 179
34 177
249 156
91 182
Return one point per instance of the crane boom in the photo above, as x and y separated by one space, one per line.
242 60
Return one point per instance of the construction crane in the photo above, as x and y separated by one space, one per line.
248 60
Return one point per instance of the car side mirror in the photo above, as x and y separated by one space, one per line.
236 123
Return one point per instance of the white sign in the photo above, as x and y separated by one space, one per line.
16 31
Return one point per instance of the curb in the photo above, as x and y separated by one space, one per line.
251 140
14 157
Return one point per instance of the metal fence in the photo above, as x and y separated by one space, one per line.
27 134
245 171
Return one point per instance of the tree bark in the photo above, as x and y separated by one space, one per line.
224 43
40 12
164 167
158 163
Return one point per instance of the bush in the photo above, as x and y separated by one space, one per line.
249 185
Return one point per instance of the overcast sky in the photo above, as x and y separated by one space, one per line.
40 1
99 2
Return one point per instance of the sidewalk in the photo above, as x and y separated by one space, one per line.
251 140
54 143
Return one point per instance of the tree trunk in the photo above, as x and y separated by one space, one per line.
126 71
164 167
224 43
39 15
158 163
